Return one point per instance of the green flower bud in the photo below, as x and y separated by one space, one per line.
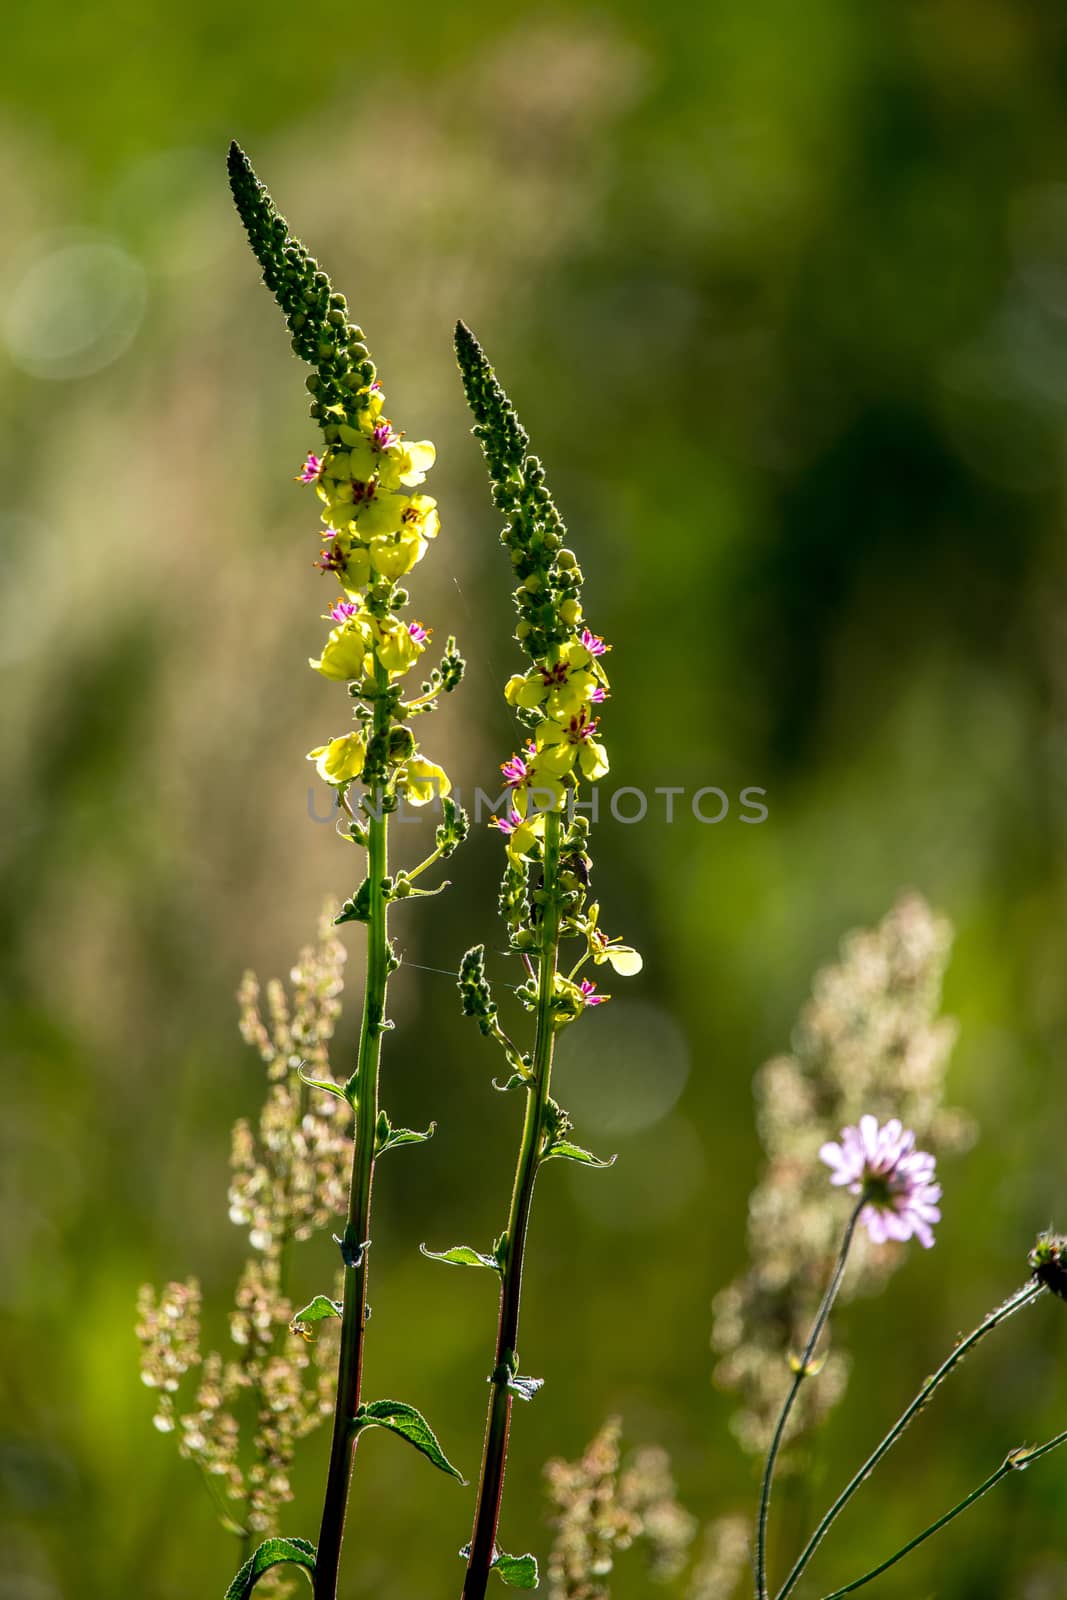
1048 1263
401 743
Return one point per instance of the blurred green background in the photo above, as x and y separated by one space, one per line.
781 292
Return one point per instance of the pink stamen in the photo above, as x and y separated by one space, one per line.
382 435
343 610
589 995
514 772
593 642
418 632
506 824
309 472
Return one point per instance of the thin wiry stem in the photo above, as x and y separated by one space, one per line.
802 1371
1022 1297
1015 1462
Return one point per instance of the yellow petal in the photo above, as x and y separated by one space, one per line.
626 962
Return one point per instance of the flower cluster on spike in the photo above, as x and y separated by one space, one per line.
556 700
377 527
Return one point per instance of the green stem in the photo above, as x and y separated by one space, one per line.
357 1231
802 1370
491 1483
1022 1297
1015 1462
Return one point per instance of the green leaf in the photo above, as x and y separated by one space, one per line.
574 1152
518 1080
271 1553
525 1388
461 1255
388 1137
518 1572
325 1084
318 1309
411 1425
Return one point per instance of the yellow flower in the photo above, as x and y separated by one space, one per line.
520 832
396 646
623 959
420 516
355 573
560 747
341 761
393 554
377 452
560 685
343 653
420 781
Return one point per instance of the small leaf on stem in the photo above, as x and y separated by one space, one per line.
462 1255
271 1553
574 1152
398 1417
317 1310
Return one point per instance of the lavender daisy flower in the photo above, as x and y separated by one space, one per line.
895 1180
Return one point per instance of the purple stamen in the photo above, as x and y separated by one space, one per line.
514 772
382 435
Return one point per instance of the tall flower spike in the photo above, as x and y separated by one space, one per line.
546 880
377 527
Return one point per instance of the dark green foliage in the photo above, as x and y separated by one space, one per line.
272 1553
398 1417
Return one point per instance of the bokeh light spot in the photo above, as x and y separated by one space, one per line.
624 1070
76 308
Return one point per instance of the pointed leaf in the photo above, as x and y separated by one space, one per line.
325 1084
271 1553
319 1308
518 1080
574 1152
462 1255
525 1388
411 1425
518 1572
398 1136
